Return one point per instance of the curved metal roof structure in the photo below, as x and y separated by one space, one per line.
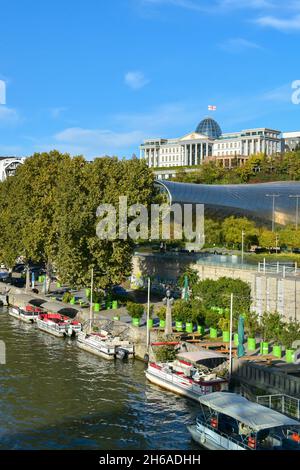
254 201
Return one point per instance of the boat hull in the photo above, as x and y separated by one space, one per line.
13 312
96 352
47 329
172 387
212 440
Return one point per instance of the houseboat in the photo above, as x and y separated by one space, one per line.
103 345
192 374
58 325
228 421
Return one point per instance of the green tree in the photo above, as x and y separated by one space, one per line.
232 228
271 326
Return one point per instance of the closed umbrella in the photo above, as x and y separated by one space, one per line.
241 329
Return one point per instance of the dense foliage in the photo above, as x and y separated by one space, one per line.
48 214
258 168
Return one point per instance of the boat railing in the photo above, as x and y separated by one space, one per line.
222 434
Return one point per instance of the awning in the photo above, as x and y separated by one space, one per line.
58 307
202 354
37 302
256 416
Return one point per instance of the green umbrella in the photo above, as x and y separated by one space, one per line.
186 288
241 329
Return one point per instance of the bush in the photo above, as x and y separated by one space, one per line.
182 311
165 353
212 319
271 326
67 297
135 310
290 333
251 324
161 313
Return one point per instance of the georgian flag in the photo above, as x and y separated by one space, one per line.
212 108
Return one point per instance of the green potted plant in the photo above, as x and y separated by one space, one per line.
66 298
211 321
181 313
271 325
136 311
97 299
224 325
290 333
161 314
251 328
198 315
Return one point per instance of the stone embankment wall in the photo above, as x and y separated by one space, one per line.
270 379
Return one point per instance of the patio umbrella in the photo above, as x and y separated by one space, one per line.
241 329
186 288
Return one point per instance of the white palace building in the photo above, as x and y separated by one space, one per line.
209 143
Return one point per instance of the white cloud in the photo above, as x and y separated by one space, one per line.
135 79
8 115
281 24
236 45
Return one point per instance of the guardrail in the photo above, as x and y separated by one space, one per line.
285 404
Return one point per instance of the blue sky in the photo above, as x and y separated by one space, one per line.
96 76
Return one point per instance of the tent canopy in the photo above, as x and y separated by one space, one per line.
256 416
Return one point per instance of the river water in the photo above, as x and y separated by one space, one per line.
55 396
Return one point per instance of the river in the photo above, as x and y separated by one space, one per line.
55 396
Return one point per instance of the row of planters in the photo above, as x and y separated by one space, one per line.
276 335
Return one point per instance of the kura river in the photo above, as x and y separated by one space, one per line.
55 396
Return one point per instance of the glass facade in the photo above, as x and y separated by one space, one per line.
210 128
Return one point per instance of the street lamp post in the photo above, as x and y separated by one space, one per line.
296 196
169 300
243 235
273 196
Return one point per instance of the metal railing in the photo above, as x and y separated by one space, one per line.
285 404
222 434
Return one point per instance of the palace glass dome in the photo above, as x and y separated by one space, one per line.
210 128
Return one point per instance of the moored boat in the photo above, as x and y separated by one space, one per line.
103 345
228 421
192 374
28 314
58 325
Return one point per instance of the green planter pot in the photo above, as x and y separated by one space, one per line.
289 355
73 301
251 343
179 326
277 351
58 285
88 293
226 336
108 305
213 333
96 307
264 347
114 304
189 327
236 339
117 317
162 323
150 323
136 322
201 329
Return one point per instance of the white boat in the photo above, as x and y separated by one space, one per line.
58 325
191 374
229 421
29 314
103 345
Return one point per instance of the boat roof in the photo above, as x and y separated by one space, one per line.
256 416
58 307
202 354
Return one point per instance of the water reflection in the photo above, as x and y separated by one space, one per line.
56 396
